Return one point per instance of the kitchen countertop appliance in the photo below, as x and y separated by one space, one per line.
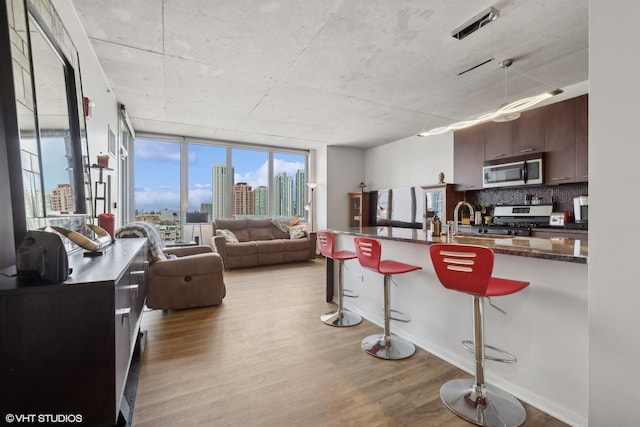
515 220
581 209
520 170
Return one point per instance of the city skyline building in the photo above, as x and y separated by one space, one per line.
61 199
219 190
208 208
243 200
261 201
301 192
283 189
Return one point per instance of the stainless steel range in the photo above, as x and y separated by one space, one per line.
515 220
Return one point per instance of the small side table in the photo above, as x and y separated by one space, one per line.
178 244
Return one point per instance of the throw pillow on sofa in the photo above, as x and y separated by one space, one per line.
284 222
228 235
297 232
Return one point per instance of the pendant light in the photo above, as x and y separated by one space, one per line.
505 112
506 117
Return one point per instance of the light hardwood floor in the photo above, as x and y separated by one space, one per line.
263 358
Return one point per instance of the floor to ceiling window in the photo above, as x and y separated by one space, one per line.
157 185
289 182
222 180
250 186
206 164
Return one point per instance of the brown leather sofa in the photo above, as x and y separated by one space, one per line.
260 242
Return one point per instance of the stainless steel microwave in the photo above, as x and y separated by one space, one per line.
512 172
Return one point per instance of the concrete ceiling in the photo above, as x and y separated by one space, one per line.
309 73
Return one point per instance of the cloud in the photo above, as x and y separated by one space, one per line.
261 176
154 198
289 167
254 178
199 194
154 150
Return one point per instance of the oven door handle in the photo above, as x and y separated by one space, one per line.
524 172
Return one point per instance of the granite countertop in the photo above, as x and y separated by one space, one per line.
558 249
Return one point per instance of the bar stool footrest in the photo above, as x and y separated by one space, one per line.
350 294
399 316
499 408
508 357
341 319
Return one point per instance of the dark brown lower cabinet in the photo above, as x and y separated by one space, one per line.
65 349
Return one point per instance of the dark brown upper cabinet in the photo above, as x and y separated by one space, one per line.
560 142
528 132
560 130
498 140
582 138
468 152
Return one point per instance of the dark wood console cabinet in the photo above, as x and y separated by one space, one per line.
66 348
359 209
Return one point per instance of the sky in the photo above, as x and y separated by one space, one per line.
157 171
54 163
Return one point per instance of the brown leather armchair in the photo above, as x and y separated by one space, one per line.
193 278
179 277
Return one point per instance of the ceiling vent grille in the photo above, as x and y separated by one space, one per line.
474 24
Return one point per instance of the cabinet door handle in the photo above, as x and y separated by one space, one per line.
559 179
124 313
526 150
498 155
134 291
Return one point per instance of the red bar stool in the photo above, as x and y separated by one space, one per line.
385 346
339 317
468 268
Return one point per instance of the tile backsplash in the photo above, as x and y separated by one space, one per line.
560 195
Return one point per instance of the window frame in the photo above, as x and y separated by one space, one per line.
186 141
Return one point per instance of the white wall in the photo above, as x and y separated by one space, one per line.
614 151
409 162
339 171
96 88
319 160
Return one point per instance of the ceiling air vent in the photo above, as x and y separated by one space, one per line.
474 24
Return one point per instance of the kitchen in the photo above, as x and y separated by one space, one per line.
517 224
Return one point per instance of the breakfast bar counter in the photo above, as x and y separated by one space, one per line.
558 249
546 325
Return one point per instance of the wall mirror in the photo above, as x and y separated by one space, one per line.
53 144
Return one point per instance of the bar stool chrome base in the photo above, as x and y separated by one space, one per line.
498 409
341 318
396 348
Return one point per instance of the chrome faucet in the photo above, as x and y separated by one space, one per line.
455 214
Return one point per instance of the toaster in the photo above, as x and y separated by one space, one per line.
558 219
